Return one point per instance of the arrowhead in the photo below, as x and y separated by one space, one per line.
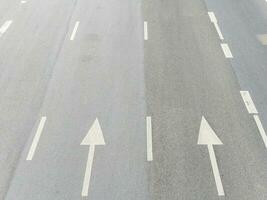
206 134
94 135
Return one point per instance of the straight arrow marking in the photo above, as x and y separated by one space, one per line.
93 137
208 137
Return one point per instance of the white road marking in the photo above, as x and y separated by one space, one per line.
88 171
208 137
215 170
261 129
94 137
262 38
23 2
36 139
74 30
212 17
249 102
218 31
214 21
149 139
145 31
5 26
226 50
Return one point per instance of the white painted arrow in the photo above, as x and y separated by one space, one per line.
93 137
208 137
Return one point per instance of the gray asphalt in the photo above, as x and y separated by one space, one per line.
108 71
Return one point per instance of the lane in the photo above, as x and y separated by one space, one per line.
29 48
95 69
187 77
98 74
243 24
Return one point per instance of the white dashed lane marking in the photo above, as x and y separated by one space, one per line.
261 129
226 50
5 26
213 19
36 139
149 138
74 30
145 30
248 102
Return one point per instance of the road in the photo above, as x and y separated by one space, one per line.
243 29
148 100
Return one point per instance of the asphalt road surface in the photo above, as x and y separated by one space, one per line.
133 100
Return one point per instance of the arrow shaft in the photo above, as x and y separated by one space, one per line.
215 170
87 175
